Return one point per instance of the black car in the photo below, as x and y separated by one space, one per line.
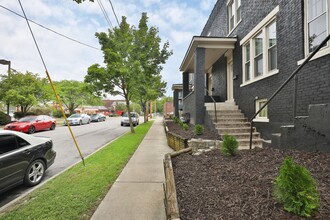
23 159
98 117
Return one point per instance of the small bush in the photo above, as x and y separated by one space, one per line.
175 119
19 115
229 145
296 189
185 127
199 129
4 118
57 114
41 110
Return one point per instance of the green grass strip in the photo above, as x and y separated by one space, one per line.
76 193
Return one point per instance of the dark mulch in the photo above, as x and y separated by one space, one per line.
212 186
175 128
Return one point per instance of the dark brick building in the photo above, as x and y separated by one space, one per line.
247 49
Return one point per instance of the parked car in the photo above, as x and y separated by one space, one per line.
125 120
32 123
78 119
98 117
24 159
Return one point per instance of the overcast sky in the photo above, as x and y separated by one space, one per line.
178 21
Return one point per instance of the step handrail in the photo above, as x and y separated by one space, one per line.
286 82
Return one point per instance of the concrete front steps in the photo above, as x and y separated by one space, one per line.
231 121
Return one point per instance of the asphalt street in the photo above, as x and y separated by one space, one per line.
90 138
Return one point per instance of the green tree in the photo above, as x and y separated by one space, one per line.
75 93
24 90
150 56
133 61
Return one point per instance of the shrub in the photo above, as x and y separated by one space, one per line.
19 115
175 119
41 110
185 127
199 129
296 189
4 118
57 113
229 145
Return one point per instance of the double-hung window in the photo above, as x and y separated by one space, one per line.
234 13
317 22
259 49
317 27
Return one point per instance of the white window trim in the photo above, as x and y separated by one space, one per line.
257 118
236 23
322 52
260 28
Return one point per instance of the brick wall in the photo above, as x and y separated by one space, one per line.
313 80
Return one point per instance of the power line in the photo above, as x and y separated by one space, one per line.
51 83
105 13
62 35
114 12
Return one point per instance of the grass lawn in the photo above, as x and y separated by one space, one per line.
76 193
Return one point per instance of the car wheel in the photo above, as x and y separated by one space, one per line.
52 127
122 124
89 121
34 173
31 130
80 122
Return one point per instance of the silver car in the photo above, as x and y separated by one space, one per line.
125 120
78 119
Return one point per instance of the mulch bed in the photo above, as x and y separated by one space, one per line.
212 186
189 134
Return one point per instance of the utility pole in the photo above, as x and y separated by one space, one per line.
150 108
6 62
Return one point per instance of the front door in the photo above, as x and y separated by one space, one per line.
230 88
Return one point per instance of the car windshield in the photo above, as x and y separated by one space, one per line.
94 115
126 115
75 116
28 119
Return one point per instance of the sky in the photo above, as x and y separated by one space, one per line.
177 20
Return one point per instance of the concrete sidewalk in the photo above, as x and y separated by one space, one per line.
138 192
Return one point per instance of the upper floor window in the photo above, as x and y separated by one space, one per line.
263 50
317 26
317 16
234 13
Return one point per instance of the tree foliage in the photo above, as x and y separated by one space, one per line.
24 90
133 63
74 94
150 55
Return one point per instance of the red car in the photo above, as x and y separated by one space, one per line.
30 124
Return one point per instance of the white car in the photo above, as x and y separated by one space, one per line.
125 120
78 119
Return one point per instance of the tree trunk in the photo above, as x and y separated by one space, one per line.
129 115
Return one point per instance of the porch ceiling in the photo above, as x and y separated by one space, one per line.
215 47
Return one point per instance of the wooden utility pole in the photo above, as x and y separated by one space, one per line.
150 108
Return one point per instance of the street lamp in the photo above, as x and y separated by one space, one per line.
6 62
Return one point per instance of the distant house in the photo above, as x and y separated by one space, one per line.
168 109
177 99
113 104
246 51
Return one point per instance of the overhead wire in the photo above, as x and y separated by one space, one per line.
51 83
114 12
105 13
62 35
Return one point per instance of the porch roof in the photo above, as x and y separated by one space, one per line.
215 47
